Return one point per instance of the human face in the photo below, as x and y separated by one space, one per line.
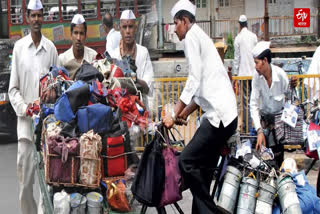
78 36
35 19
180 28
128 30
260 65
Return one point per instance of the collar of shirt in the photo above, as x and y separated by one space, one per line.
71 56
42 43
275 77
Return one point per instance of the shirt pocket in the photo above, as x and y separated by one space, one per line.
279 98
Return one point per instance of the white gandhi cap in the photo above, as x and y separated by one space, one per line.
35 5
260 47
127 14
78 19
183 5
243 18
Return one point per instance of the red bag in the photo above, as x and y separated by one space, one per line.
312 154
119 97
114 162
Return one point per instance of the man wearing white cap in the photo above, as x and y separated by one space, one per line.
138 53
243 65
208 86
113 37
269 85
74 57
32 57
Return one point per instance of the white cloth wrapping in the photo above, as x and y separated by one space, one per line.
243 63
113 40
208 82
265 100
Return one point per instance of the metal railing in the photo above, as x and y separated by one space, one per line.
278 26
168 90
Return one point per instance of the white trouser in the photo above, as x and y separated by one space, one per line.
26 173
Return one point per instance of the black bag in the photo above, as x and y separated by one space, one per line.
88 73
148 183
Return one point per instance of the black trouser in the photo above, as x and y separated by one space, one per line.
271 140
198 159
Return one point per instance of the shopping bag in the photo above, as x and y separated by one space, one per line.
116 196
148 183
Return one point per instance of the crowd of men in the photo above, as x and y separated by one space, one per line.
207 87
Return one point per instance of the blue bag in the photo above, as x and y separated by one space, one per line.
98 117
67 105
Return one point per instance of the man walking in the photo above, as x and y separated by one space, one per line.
244 66
32 57
208 86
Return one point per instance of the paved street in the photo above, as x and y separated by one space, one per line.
9 189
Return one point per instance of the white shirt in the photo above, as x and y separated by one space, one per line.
68 60
265 100
314 68
143 63
113 40
28 65
243 62
208 82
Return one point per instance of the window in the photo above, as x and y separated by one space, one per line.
223 3
16 13
107 5
69 8
204 3
126 5
272 1
4 5
201 3
50 10
89 9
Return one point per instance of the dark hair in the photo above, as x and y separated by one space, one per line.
184 13
243 24
29 11
84 24
108 21
265 53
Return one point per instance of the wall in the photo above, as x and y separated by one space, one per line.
254 8
201 13
233 11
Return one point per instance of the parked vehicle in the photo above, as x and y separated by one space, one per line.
8 118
